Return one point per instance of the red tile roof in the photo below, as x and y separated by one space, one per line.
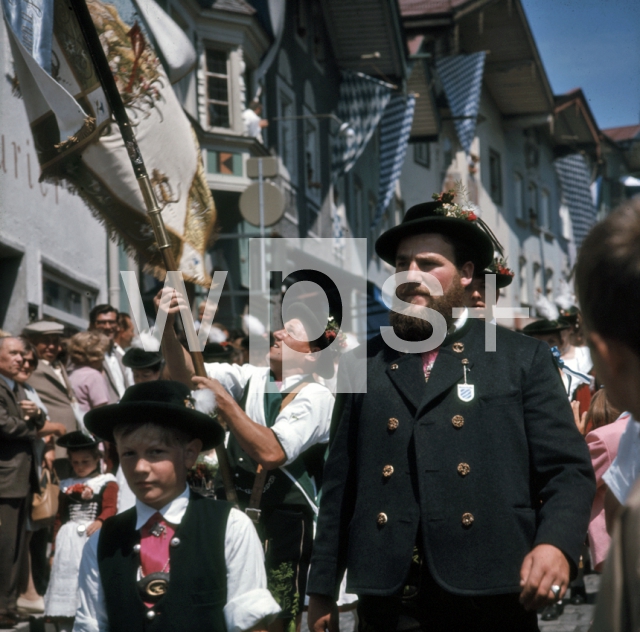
626 132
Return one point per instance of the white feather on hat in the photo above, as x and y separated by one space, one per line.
205 400
146 341
217 335
545 308
566 298
253 326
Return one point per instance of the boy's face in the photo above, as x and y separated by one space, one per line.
155 471
145 375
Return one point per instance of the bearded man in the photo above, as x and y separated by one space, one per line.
457 490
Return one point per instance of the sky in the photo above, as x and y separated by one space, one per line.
593 45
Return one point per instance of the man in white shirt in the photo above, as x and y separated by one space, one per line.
193 562
104 318
281 433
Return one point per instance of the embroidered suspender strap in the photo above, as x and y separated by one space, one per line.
253 509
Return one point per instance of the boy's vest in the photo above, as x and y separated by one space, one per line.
288 486
198 575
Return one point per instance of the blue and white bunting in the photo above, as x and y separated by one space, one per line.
461 77
361 103
395 128
575 182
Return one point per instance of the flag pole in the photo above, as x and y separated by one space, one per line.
154 212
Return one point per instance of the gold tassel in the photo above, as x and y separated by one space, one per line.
88 127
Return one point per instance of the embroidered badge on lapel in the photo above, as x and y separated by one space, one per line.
466 392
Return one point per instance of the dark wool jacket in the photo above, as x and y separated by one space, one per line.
481 483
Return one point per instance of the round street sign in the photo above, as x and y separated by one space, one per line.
273 204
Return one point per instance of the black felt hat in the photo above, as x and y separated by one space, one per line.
503 279
76 440
163 402
324 365
215 352
545 326
424 218
136 358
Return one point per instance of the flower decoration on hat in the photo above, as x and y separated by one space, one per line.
449 208
333 331
499 266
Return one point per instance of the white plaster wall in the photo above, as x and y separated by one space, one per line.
44 221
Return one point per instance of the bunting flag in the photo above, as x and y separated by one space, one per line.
461 77
80 146
361 103
395 129
575 182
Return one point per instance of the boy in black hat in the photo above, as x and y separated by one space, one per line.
176 560
146 366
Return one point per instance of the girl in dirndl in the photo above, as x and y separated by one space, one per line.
86 501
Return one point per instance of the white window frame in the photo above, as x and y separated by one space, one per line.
518 195
358 203
524 281
548 283
545 209
88 298
422 154
533 201
311 125
230 84
288 127
497 195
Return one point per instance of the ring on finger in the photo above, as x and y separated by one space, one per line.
555 589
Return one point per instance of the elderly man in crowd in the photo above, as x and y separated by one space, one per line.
18 475
51 382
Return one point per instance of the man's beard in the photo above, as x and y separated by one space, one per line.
409 327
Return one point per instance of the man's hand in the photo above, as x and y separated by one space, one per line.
544 567
51 429
224 402
323 614
177 303
258 441
29 408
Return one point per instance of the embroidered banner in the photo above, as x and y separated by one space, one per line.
78 145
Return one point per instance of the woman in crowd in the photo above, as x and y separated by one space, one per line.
86 352
608 425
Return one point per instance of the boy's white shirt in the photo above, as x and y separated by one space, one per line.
248 600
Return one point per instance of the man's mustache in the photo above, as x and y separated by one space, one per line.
412 291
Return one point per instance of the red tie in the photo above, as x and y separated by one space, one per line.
155 537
